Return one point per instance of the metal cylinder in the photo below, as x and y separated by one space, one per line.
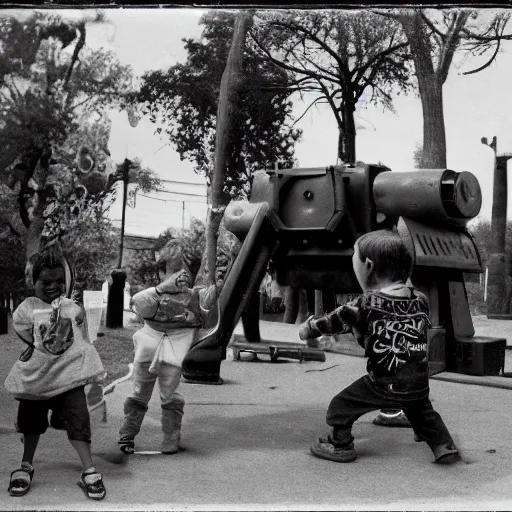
430 196
239 216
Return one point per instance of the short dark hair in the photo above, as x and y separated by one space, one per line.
389 254
48 260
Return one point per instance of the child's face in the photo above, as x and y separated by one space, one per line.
362 269
50 284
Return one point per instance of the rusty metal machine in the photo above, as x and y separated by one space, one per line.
307 221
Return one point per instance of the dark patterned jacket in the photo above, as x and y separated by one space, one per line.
392 328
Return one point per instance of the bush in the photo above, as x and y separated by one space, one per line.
477 306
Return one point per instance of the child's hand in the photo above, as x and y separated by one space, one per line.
175 283
182 281
350 314
306 332
80 317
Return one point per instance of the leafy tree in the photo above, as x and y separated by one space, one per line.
91 247
418 156
12 267
341 57
51 85
144 266
56 167
183 101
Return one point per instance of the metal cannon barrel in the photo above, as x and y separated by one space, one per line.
432 196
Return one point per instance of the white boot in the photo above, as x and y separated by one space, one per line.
172 414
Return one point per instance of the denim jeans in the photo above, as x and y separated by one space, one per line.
362 396
136 405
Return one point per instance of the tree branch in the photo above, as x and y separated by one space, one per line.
487 64
314 102
288 67
334 109
313 37
431 26
467 34
451 43
374 60
79 45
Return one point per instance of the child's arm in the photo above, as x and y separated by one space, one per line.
146 302
23 322
333 323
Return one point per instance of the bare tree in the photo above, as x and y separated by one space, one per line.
338 56
434 37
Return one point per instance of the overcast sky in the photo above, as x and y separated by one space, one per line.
475 106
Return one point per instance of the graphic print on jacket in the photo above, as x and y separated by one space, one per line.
393 331
396 340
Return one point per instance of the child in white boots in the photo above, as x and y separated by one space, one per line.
172 315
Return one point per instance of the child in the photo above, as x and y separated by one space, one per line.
52 372
390 321
172 313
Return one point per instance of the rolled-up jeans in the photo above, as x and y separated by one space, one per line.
143 384
362 396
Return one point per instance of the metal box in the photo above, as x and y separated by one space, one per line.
481 355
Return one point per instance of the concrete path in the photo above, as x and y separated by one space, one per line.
248 443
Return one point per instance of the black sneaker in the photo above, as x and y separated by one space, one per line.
127 445
325 449
446 453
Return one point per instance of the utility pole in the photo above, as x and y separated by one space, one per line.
115 302
125 178
497 263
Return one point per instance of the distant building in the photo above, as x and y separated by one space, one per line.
134 244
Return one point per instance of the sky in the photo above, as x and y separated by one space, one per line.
475 106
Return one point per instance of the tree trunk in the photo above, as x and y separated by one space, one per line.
228 99
497 265
347 135
434 135
35 232
350 129
36 227
430 85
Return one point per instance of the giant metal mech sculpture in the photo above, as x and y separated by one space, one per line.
307 221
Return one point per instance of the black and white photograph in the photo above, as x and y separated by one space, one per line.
255 257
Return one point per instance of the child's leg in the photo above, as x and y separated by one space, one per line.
172 408
392 418
84 452
71 408
136 405
354 401
32 421
429 426
345 408
30 442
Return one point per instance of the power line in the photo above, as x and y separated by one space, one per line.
180 193
184 183
172 200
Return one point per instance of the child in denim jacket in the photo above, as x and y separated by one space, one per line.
172 313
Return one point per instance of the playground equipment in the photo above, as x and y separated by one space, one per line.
307 221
